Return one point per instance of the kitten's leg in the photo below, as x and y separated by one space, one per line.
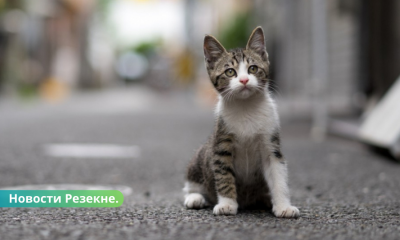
275 173
193 197
224 176
225 186
193 186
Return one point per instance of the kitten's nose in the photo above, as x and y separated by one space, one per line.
244 81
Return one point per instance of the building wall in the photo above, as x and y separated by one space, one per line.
289 33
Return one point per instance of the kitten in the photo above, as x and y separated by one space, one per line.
241 165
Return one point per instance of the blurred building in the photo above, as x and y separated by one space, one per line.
362 49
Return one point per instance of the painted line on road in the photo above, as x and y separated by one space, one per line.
91 150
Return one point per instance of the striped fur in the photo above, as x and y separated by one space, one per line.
241 165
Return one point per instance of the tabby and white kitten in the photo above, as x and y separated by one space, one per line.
241 165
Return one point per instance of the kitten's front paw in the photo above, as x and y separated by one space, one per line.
286 211
225 209
195 200
226 206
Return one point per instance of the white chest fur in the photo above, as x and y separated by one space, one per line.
247 159
252 121
249 118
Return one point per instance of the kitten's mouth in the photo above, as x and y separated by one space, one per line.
244 89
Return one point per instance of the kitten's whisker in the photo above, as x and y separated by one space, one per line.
230 95
275 88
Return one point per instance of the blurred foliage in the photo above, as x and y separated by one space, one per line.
2 6
237 32
27 91
103 6
148 47
7 4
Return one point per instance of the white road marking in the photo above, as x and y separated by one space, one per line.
91 151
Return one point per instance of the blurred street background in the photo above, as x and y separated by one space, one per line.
113 94
50 49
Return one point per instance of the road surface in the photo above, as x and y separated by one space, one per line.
343 190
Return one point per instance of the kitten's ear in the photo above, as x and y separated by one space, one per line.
257 43
213 50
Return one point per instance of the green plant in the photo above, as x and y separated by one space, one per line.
146 48
237 32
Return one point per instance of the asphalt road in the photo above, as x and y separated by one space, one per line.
343 190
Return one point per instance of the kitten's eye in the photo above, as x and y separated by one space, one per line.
230 72
253 69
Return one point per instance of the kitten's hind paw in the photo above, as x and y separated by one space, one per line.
194 201
286 211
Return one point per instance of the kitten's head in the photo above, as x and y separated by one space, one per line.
238 73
